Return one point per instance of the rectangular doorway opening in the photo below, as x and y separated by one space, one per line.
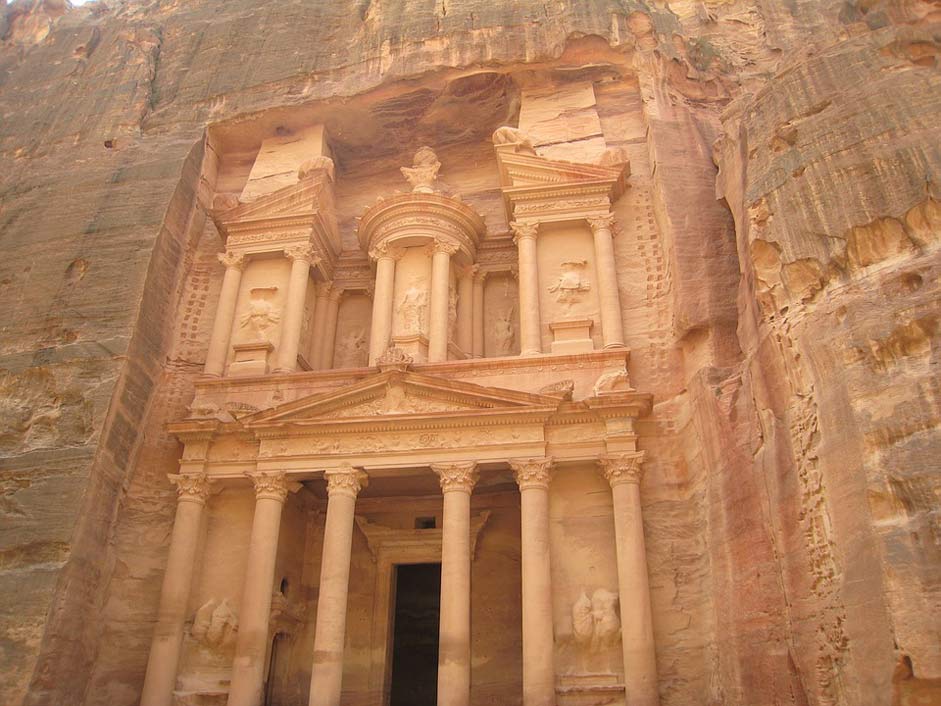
415 635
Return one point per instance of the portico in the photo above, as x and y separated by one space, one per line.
403 426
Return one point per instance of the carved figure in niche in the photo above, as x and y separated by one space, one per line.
571 282
596 628
352 348
504 332
215 624
452 313
412 307
261 314
424 171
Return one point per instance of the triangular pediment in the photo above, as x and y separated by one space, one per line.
520 171
306 198
400 395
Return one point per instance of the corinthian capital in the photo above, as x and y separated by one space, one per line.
605 222
532 472
191 487
522 231
460 477
232 259
269 484
444 246
622 468
302 252
385 250
345 480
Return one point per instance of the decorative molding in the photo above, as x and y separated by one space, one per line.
532 472
270 485
622 468
191 487
345 480
232 259
456 477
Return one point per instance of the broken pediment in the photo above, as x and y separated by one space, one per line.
552 189
401 394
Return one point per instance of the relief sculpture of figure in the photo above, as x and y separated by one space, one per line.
596 628
412 307
352 348
260 315
571 282
503 330
452 314
215 624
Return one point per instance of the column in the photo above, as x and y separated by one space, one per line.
465 310
302 257
612 327
160 679
225 312
457 482
248 667
330 332
478 333
320 324
381 329
343 485
530 327
532 476
623 472
440 296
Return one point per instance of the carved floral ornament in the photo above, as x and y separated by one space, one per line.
523 230
441 245
603 222
532 472
271 485
302 252
232 259
460 477
386 251
622 468
345 480
191 487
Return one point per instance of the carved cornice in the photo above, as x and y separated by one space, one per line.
302 252
191 487
522 231
532 472
604 222
232 259
345 480
270 485
622 468
456 477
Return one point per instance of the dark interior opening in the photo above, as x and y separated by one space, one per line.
425 523
415 635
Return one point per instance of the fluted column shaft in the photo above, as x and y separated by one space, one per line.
612 327
465 311
301 260
530 326
343 485
440 300
320 324
381 328
532 476
457 482
330 330
164 659
248 667
478 330
225 313
623 472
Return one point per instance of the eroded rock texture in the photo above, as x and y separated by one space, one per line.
778 266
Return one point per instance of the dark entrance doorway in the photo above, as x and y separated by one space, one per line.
415 635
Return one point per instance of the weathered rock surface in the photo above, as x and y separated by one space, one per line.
789 330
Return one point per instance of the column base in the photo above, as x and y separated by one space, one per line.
613 346
530 353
